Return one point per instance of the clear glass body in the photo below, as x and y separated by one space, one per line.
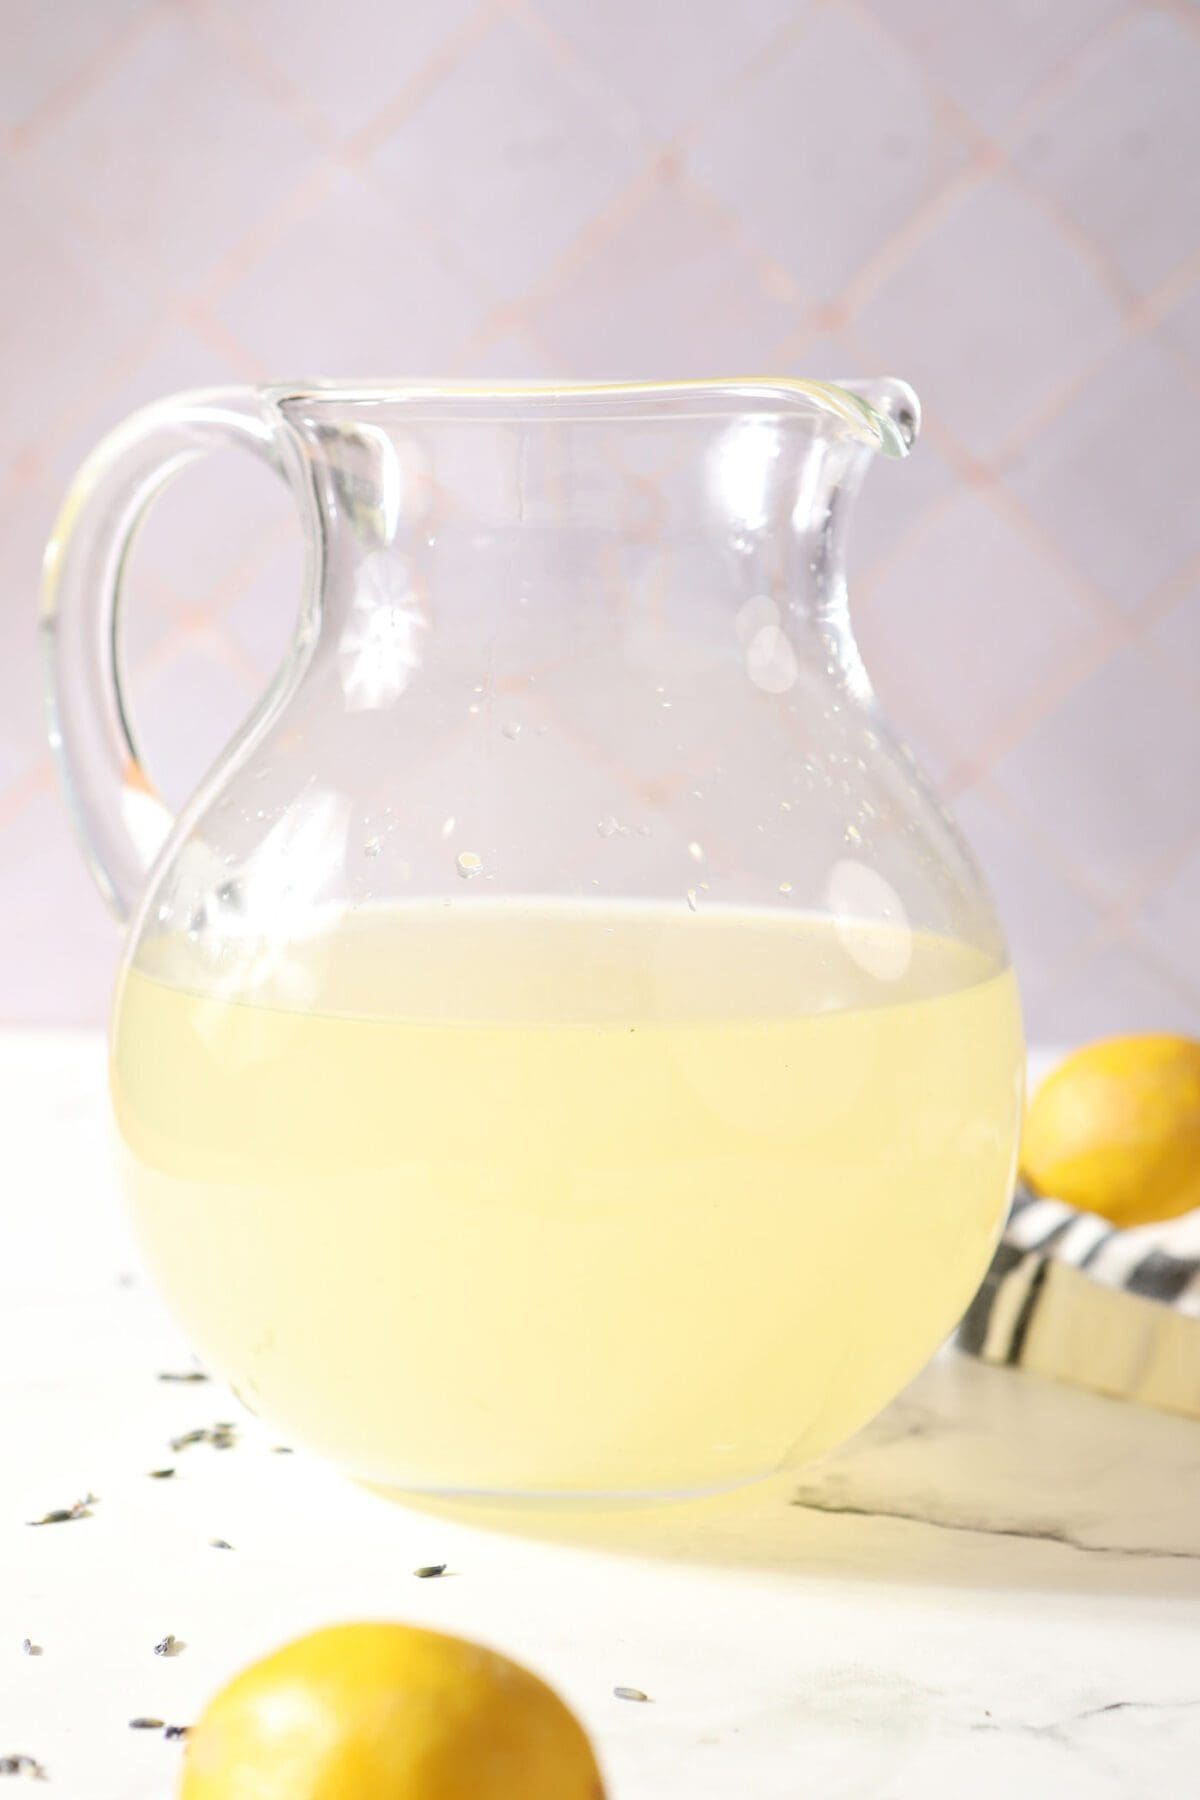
564 1048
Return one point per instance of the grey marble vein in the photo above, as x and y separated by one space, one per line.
927 1514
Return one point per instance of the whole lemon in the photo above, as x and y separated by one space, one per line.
388 1712
1116 1130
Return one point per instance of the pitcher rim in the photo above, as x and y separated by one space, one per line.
882 414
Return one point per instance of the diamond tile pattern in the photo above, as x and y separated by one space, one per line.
168 158
40 65
1176 636
990 313
665 294
670 60
1108 775
1000 656
999 202
826 149
1166 925
992 59
1111 478
1122 135
351 63
511 156
382 294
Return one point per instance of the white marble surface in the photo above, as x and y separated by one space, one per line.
994 1590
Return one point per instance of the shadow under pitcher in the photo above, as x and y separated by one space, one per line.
562 1048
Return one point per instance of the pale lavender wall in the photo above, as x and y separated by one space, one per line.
999 202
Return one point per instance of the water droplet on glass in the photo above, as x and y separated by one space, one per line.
448 826
607 827
695 851
771 661
512 730
474 707
691 899
756 614
164 912
785 887
468 864
785 806
852 834
373 846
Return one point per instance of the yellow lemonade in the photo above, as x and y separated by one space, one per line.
538 1198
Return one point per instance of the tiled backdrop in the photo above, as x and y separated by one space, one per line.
999 202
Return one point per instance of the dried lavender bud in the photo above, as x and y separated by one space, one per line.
221 1437
628 1693
428 1570
22 1765
61 1515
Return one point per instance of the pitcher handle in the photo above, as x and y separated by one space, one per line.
119 814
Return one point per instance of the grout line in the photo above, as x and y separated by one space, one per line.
116 47
1116 916
212 332
226 29
1038 707
420 224
261 237
1184 11
666 159
362 144
1044 843
578 68
89 397
1147 952
1057 80
1168 593
601 228
867 281
1158 873
37 780
1105 271
775 279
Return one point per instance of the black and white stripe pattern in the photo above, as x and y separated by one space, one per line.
1071 1296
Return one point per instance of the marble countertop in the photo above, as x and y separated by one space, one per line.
995 1589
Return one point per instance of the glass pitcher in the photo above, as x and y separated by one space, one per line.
562 1048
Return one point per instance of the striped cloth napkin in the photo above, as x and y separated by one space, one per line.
1070 1296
